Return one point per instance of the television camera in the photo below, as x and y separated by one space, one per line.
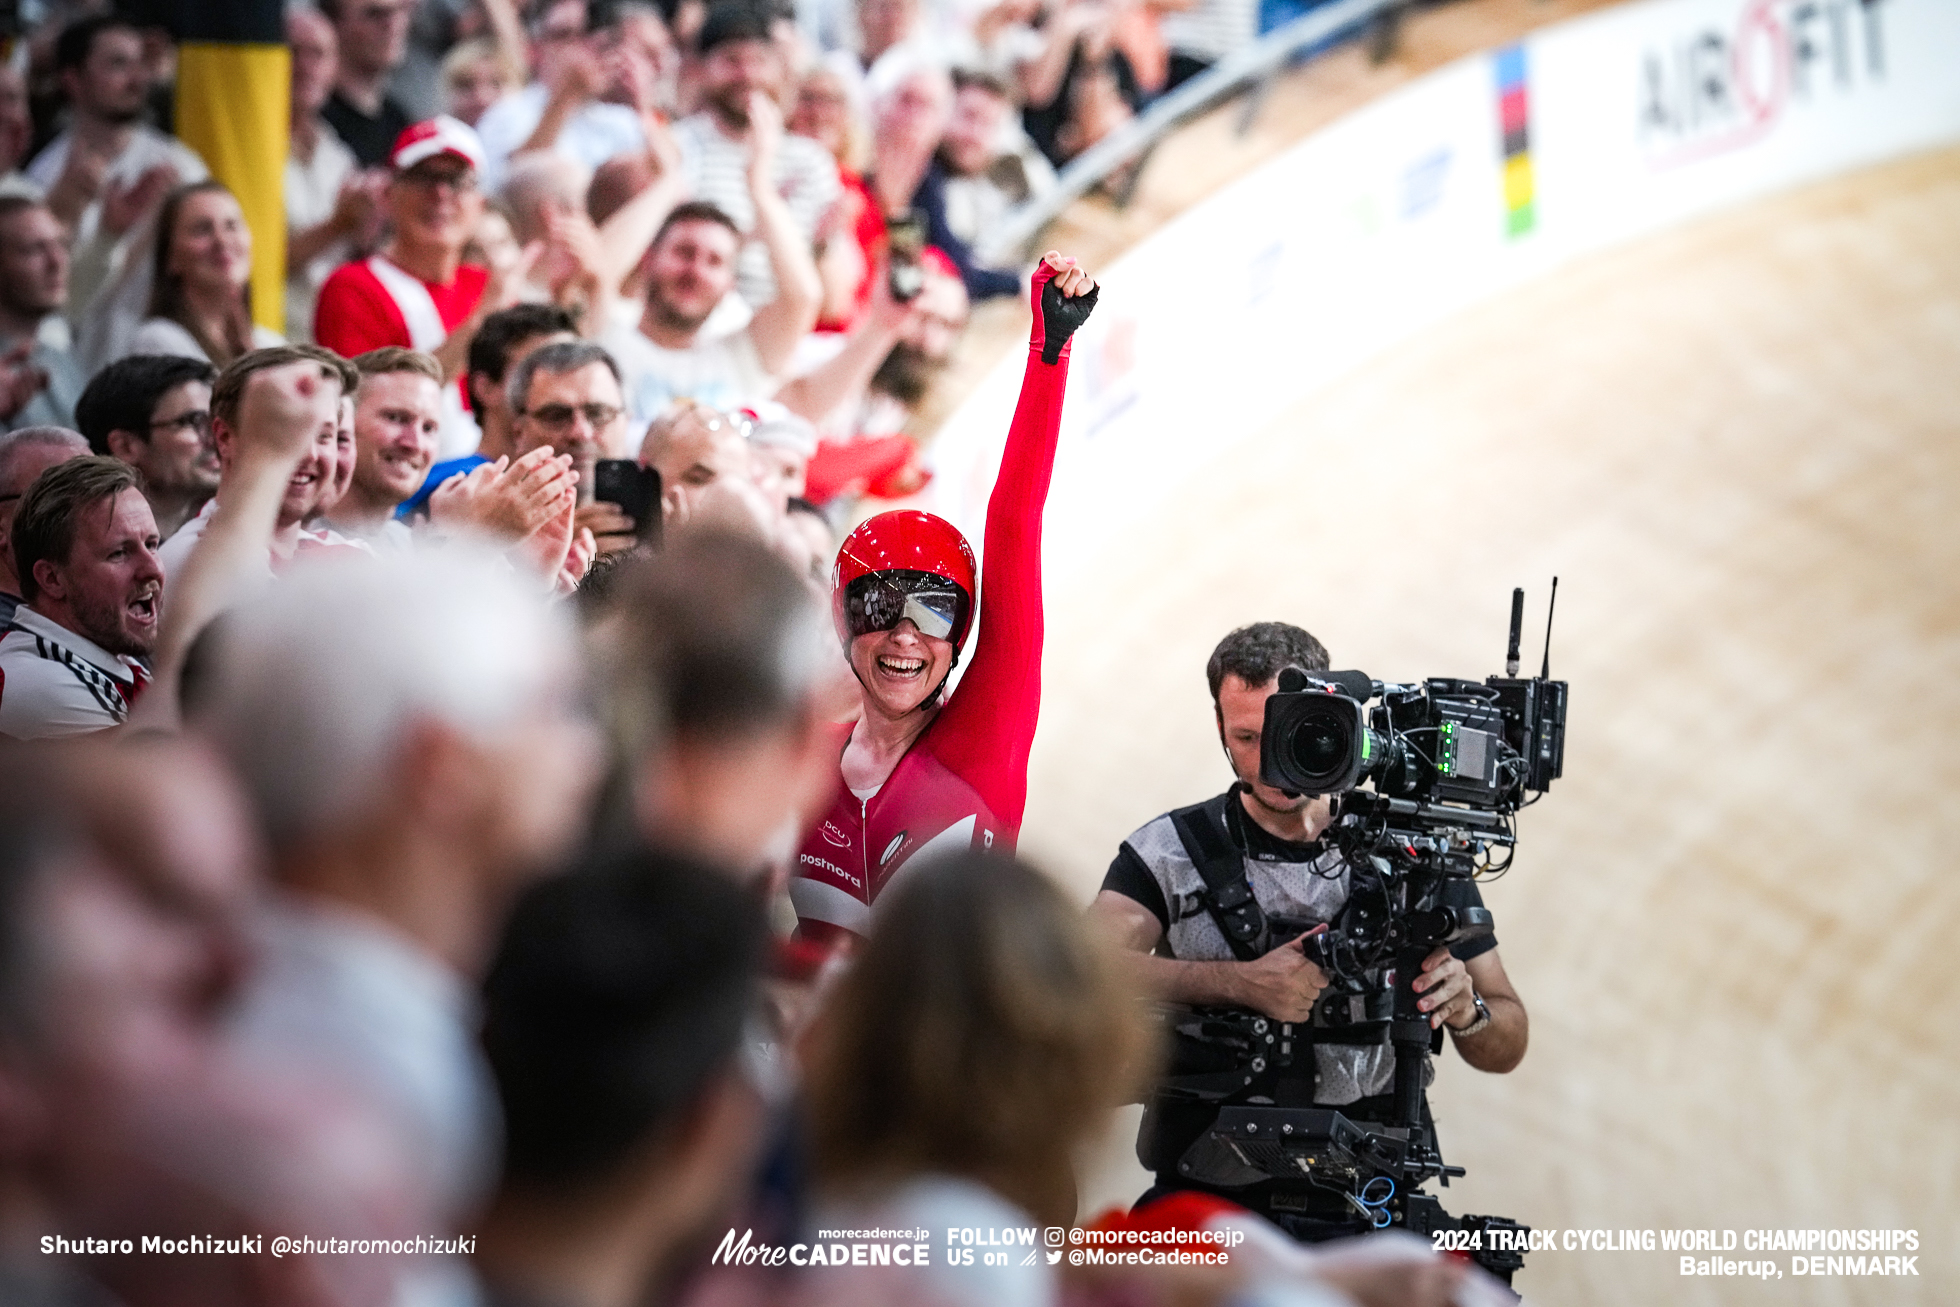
1447 764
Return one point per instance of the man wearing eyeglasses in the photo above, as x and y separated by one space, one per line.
153 411
417 293
567 397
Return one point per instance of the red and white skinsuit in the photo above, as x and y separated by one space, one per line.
964 782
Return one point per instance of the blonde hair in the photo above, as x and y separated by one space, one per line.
477 50
984 1032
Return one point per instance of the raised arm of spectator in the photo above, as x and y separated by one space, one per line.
79 185
626 234
280 412
1042 76
823 391
507 34
780 324
581 76
126 207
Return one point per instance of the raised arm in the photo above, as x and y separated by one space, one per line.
785 320
985 733
822 391
282 410
626 233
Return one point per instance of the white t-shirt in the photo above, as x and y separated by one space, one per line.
147 147
724 372
166 336
594 134
54 682
312 191
175 551
717 170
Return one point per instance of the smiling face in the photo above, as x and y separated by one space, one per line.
436 204
107 588
396 420
689 269
312 482
210 246
343 460
733 69
899 667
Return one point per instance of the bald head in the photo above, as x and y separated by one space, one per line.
542 182
24 455
692 446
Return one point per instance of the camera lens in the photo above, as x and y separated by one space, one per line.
1321 744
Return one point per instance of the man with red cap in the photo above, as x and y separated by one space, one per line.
921 772
417 292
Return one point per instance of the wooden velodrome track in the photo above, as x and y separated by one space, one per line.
1733 920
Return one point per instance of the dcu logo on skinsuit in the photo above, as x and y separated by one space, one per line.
835 837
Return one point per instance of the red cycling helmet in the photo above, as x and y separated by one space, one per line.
911 554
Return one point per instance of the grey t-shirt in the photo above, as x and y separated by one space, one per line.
1304 881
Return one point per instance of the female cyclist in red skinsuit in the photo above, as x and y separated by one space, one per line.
919 772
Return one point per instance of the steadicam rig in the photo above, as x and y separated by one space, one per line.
1447 764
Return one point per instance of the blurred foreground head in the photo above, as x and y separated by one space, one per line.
716 660
406 728
615 1015
419 704
123 871
983 1033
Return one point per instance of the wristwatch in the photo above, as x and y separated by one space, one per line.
1483 1018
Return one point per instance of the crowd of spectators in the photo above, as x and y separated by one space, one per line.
721 195
424 891
408 718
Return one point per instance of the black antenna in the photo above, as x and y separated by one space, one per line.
1545 673
1517 631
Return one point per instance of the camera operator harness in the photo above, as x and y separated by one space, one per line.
1451 762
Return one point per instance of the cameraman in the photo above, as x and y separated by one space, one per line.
1155 902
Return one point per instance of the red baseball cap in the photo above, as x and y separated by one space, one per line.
431 137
